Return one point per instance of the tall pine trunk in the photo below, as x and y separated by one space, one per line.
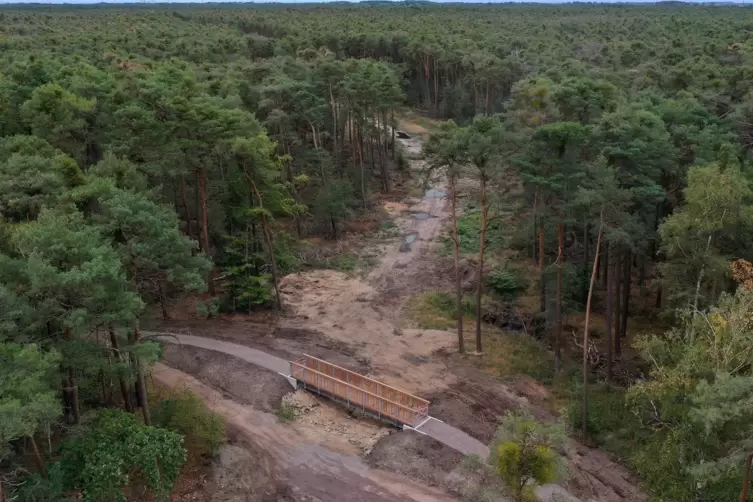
38 457
584 293
267 236
393 126
197 211
609 315
72 386
119 357
141 387
746 482
535 221
456 254
359 140
697 295
482 246
587 326
627 283
205 223
542 281
616 276
558 309
184 201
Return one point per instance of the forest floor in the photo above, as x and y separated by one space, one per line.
359 321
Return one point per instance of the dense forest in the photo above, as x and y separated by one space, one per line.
152 153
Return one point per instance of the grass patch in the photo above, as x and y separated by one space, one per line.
508 354
352 263
469 233
286 413
437 310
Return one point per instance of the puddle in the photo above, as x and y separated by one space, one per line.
435 193
421 216
409 239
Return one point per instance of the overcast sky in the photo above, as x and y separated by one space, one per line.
88 2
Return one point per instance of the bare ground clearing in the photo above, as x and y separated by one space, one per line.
356 323
303 468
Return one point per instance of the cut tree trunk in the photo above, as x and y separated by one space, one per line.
609 315
123 385
456 254
588 325
482 246
616 275
558 309
141 387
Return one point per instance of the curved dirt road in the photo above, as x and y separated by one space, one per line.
311 471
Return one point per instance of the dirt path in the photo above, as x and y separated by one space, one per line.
365 313
356 323
310 470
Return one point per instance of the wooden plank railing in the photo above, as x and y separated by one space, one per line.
358 391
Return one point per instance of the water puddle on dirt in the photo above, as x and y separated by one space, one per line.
435 193
407 241
421 216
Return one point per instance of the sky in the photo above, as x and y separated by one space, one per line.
91 2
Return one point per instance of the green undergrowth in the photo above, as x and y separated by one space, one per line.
438 310
184 412
469 233
508 354
285 413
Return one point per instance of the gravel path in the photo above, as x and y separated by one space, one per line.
441 431
257 357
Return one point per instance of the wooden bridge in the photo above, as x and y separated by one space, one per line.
358 392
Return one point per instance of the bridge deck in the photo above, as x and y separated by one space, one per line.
359 392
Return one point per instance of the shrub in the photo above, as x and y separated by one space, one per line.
286 413
186 413
103 458
507 282
524 454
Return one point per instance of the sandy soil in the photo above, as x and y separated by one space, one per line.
343 307
245 383
301 467
356 323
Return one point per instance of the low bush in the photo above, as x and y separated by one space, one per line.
184 412
286 413
506 282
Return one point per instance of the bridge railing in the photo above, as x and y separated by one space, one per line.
359 392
